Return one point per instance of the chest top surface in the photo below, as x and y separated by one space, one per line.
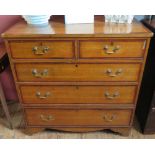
57 28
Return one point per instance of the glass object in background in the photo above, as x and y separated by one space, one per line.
119 18
36 19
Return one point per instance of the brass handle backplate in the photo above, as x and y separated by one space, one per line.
40 50
113 96
111 49
38 94
109 118
45 49
110 73
47 118
38 74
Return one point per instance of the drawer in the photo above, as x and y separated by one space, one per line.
81 72
105 49
78 94
62 117
42 49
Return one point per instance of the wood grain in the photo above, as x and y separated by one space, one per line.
78 72
78 94
57 28
126 48
77 117
56 49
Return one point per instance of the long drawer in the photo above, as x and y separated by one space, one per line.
64 117
108 49
81 72
78 94
42 49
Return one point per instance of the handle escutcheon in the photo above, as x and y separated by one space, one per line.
45 49
113 96
109 118
110 73
38 94
111 49
40 51
47 118
38 74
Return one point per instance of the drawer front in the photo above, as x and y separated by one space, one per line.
81 72
78 94
105 49
39 50
77 117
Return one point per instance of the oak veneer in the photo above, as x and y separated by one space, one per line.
87 60
49 117
77 72
42 49
78 94
103 49
124 131
57 29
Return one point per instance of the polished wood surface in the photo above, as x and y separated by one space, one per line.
111 49
57 28
124 131
93 77
42 49
31 131
42 117
78 72
78 94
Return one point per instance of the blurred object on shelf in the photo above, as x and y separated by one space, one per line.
37 20
124 19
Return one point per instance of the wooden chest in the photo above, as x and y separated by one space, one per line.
82 77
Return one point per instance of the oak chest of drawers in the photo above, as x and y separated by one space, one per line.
78 78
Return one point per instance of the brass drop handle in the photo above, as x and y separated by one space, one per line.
38 74
111 49
47 118
43 50
110 73
113 96
109 118
38 94
35 48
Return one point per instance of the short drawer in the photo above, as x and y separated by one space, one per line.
107 49
78 94
42 49
81 72
64 117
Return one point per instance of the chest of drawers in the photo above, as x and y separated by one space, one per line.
75 79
